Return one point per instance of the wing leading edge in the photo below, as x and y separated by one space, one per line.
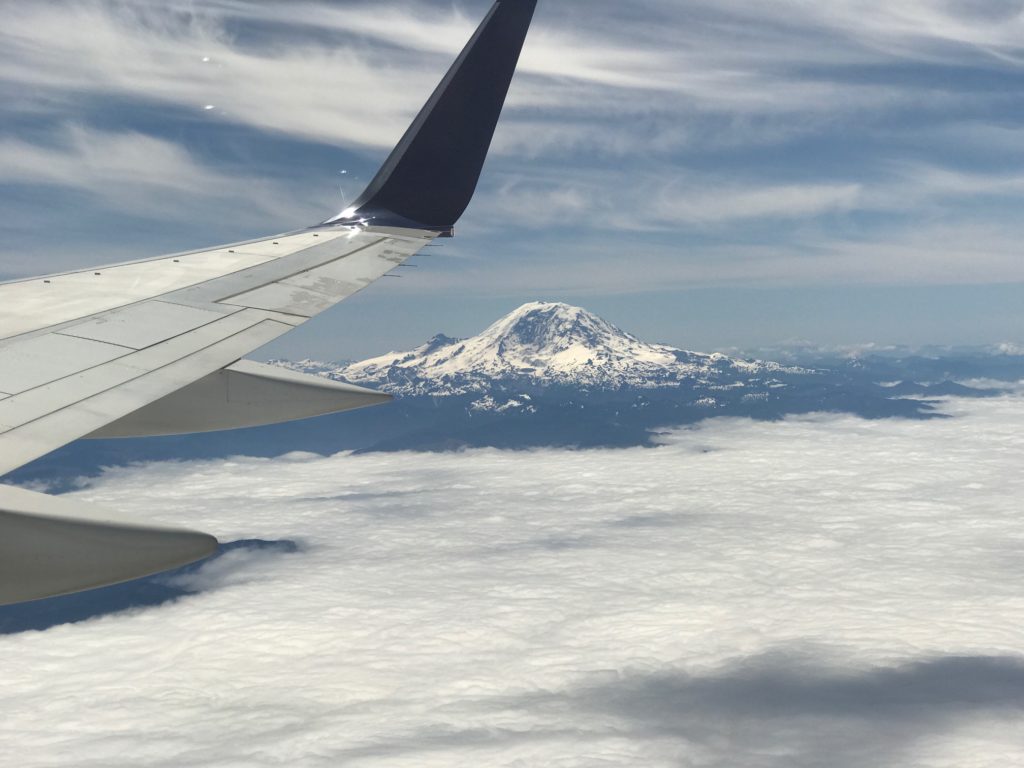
154 346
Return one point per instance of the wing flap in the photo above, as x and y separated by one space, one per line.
246 394
35 422
54 546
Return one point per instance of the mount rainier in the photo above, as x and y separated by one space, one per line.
545 345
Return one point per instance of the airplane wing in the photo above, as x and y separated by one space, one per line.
155 346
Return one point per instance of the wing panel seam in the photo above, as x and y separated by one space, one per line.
212 309
141 375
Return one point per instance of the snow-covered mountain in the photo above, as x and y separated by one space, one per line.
544 344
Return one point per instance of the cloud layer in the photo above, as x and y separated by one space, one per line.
820 590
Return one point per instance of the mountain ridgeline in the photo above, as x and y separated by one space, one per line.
554 375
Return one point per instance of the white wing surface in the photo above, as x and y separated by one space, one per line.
155 346
129 335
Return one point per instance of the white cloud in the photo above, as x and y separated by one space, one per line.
714 205
624 250
678 199
132 176
668 201
57 53
738 59
856 31
132 172
824 590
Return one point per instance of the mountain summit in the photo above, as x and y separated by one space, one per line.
542 344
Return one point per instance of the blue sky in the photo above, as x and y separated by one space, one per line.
707 174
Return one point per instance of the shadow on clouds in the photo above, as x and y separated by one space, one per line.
774 711
147 592
794 711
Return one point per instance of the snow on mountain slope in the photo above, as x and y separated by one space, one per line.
543 344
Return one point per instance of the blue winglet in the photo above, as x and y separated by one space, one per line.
429 178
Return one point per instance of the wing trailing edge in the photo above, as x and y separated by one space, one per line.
429 178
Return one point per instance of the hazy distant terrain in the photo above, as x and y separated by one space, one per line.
554 375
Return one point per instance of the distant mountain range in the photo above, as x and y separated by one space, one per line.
551 374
